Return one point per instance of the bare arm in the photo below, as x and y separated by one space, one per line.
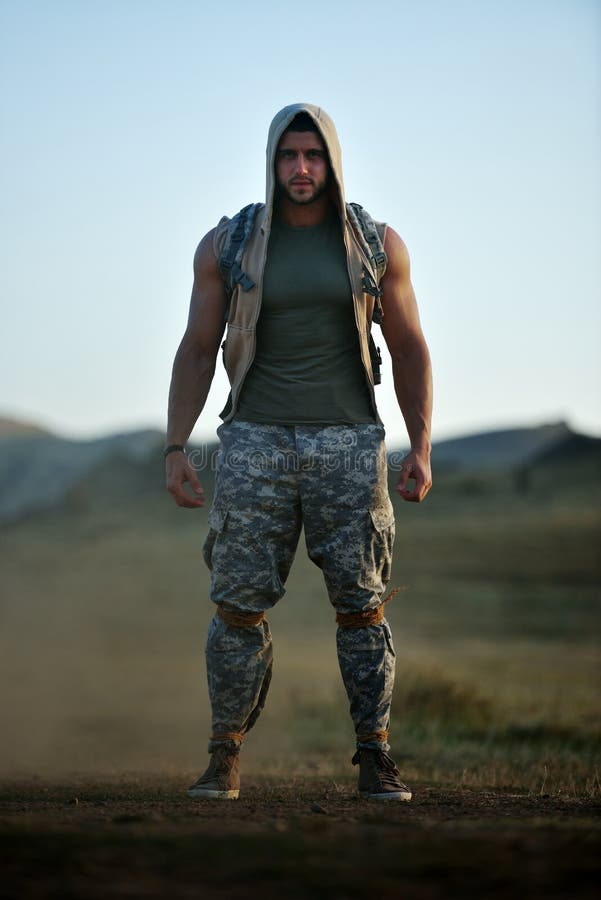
193 369
410 366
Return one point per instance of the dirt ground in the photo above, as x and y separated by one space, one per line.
304 837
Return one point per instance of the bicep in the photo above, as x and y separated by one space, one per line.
400 325
208 303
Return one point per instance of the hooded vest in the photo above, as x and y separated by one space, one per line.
245 306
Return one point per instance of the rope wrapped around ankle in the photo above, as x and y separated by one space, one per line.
367 616
239 619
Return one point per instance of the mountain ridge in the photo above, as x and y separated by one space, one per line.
40 470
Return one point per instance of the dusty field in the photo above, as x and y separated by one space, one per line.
142 837
103 613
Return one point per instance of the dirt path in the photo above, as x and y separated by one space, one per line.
297 838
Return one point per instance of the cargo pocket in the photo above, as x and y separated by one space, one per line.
217 518
382 540
382 517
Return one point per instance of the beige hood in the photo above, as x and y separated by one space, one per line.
326 127
245 306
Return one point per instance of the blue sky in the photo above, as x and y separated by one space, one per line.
129 128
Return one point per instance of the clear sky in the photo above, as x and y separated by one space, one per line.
129 127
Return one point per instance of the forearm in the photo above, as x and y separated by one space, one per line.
190 384
412 373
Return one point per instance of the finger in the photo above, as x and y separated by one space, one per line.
401 485
190 502
419 491
193 479
413 494
184 500
425 490
410 494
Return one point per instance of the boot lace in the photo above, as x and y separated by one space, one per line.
382 766
222 760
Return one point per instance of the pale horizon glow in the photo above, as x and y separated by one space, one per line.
129 128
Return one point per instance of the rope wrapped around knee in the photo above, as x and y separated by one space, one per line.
228 736
374 737
239 619
365 617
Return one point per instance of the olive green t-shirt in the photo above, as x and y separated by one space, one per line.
307 367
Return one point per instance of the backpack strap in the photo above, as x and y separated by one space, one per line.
372 244
229 263
372 240
368 235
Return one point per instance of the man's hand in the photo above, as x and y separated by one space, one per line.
180 471
415 465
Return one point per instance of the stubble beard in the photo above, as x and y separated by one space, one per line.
284 191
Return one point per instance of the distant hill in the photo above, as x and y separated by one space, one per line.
39 470
10 428
510 448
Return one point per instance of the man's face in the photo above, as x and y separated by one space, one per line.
301 166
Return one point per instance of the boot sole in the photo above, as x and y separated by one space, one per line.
389 795
207 794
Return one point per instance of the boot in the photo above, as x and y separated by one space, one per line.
221 781
379 778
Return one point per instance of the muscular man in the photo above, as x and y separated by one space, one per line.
302 443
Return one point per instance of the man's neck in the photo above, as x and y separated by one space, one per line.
302 215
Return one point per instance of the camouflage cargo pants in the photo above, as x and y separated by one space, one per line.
271 481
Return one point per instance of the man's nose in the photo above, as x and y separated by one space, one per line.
301 164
